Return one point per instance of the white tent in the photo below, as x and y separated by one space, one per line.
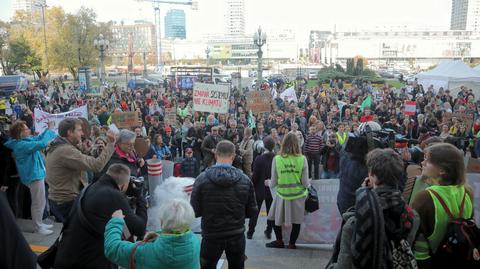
451 74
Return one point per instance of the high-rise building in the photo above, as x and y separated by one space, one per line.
235 18
28 5
175 24
465 15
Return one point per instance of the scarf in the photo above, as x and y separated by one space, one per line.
130 158
381 216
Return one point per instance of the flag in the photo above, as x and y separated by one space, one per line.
289 94
410 108
251 121
366 103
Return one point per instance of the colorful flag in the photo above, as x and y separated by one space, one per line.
410 108
366 103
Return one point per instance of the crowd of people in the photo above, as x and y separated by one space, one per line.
82 175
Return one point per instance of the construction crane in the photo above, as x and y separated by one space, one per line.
156 7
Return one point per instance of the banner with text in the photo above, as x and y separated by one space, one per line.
259 101
210 98
42 118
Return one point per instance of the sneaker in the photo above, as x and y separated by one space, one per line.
43 231
291 246
275 244
46 226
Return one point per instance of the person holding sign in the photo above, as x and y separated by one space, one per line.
31 167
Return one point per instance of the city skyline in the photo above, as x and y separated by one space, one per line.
300 16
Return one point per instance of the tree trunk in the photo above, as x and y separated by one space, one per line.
73 71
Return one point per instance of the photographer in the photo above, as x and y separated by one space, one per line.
81 245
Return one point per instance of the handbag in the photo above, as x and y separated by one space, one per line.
311 203
46 260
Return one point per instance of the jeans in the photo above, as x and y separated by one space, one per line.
329 174
212 250
252 222
60 211
313 160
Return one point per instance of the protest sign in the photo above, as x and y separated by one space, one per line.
289 94
171 115
126 119
259 101
465 118
211 98
42 118
410 108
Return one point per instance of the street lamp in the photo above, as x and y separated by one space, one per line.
43 6
101 44
259 39
207 52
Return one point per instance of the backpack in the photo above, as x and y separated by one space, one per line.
460 246
402 255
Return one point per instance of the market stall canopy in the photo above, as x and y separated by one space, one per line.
451 74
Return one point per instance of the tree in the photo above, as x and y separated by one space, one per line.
350 66
17 55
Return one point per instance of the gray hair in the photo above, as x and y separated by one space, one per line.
119 172
176 216
126 136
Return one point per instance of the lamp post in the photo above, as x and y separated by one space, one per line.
259 39
101 44
207 52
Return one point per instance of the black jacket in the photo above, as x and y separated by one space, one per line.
190 167
353 172
223 196
14 249
81 247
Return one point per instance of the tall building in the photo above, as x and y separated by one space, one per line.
235 18
28 5
175 24
140 36
465 15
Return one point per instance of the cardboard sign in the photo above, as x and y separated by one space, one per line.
259 101
465 118
141 146
211 98
126 119
171 115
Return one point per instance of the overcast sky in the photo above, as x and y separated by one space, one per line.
299 15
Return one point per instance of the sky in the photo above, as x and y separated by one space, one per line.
301 16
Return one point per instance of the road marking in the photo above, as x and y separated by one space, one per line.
38 249
263 213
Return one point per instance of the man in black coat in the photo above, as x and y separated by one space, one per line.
82 243
223 196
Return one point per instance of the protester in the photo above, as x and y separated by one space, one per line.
208 147
82 242
290 181
380 217
162 151
223 223
444 165
66 166
312 148
31 167
246 151
175 247
262 169
190 167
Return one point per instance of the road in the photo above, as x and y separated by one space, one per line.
259 257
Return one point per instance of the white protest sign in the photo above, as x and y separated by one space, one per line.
42 118
289 94
211 97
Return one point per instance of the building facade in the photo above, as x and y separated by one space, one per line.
465 15
175 24
235 18
136 39
28 5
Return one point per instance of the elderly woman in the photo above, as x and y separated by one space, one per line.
125 153
176 247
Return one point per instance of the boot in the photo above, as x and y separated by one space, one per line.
275 244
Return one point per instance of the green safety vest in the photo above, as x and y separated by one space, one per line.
342 138
452 195
289 172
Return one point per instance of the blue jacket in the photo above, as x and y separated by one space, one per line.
29 160
168 251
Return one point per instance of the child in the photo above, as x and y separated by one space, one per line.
189 167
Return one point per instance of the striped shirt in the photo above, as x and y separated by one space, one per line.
313 143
